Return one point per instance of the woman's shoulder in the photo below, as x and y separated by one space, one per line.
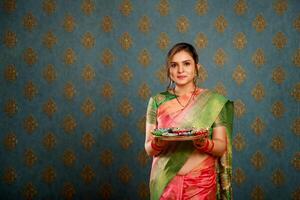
162 96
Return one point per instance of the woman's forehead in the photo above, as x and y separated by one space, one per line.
181 56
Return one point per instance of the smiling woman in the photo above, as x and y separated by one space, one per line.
190 168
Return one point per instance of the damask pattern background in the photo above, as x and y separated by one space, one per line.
76 77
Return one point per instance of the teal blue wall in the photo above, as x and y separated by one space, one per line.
106 159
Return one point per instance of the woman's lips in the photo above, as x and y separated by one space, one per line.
181 77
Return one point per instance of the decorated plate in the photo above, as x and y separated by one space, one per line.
180 134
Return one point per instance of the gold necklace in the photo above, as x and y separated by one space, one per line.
183 106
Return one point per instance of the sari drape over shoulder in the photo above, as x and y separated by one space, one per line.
205 111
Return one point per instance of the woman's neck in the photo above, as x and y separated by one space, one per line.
186 89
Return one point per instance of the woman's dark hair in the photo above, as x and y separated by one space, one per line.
177 48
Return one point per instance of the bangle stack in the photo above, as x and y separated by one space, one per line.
155 146
206 147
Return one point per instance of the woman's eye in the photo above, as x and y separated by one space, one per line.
187 64
173 65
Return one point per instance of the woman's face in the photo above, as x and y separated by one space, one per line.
182 69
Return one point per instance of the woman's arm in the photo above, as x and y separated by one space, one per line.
215 146
153 146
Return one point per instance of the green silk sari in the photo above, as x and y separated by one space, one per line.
207 109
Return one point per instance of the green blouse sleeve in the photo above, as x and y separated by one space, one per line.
151 111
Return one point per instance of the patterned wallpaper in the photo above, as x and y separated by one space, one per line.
76 77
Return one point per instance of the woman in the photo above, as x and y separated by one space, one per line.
198 169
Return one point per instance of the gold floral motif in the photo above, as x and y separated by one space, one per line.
258 92
49 141
30 90
126 74
69 91
279 40
69 124
296 92
30 124
201 41
125 108
239 108
163 7
258 58
278 109
125 41
49 40
9 5
88 7
49 175
257 193
143 158
202 74
182 24
239 75
163 41
49 6
239 176
278 75
69 23
220 57
107 24
144 24
69 56
160 74
87 174
69 157
296 194
144 91
106 158
125 174
296 126
49 73
280 6
49 108
10 39
258 160
143 191
10 141
296 58
240 7
30 56
239 142
107 124
258 126
220 88
259 23
29 21
107 91
30 157
296 23
107 57
144 58
68 191
88 40
29 191
125 140
240 41
10 73
221 24
141 124
11 107
277 144
201 7
88 107
10 175
278 177
88 73
88 141
296 161
105 191
126 7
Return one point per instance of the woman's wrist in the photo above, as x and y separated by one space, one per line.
207 146
155 146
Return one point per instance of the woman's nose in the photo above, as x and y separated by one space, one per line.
180 68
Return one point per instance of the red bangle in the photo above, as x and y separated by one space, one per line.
155 146
203 148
